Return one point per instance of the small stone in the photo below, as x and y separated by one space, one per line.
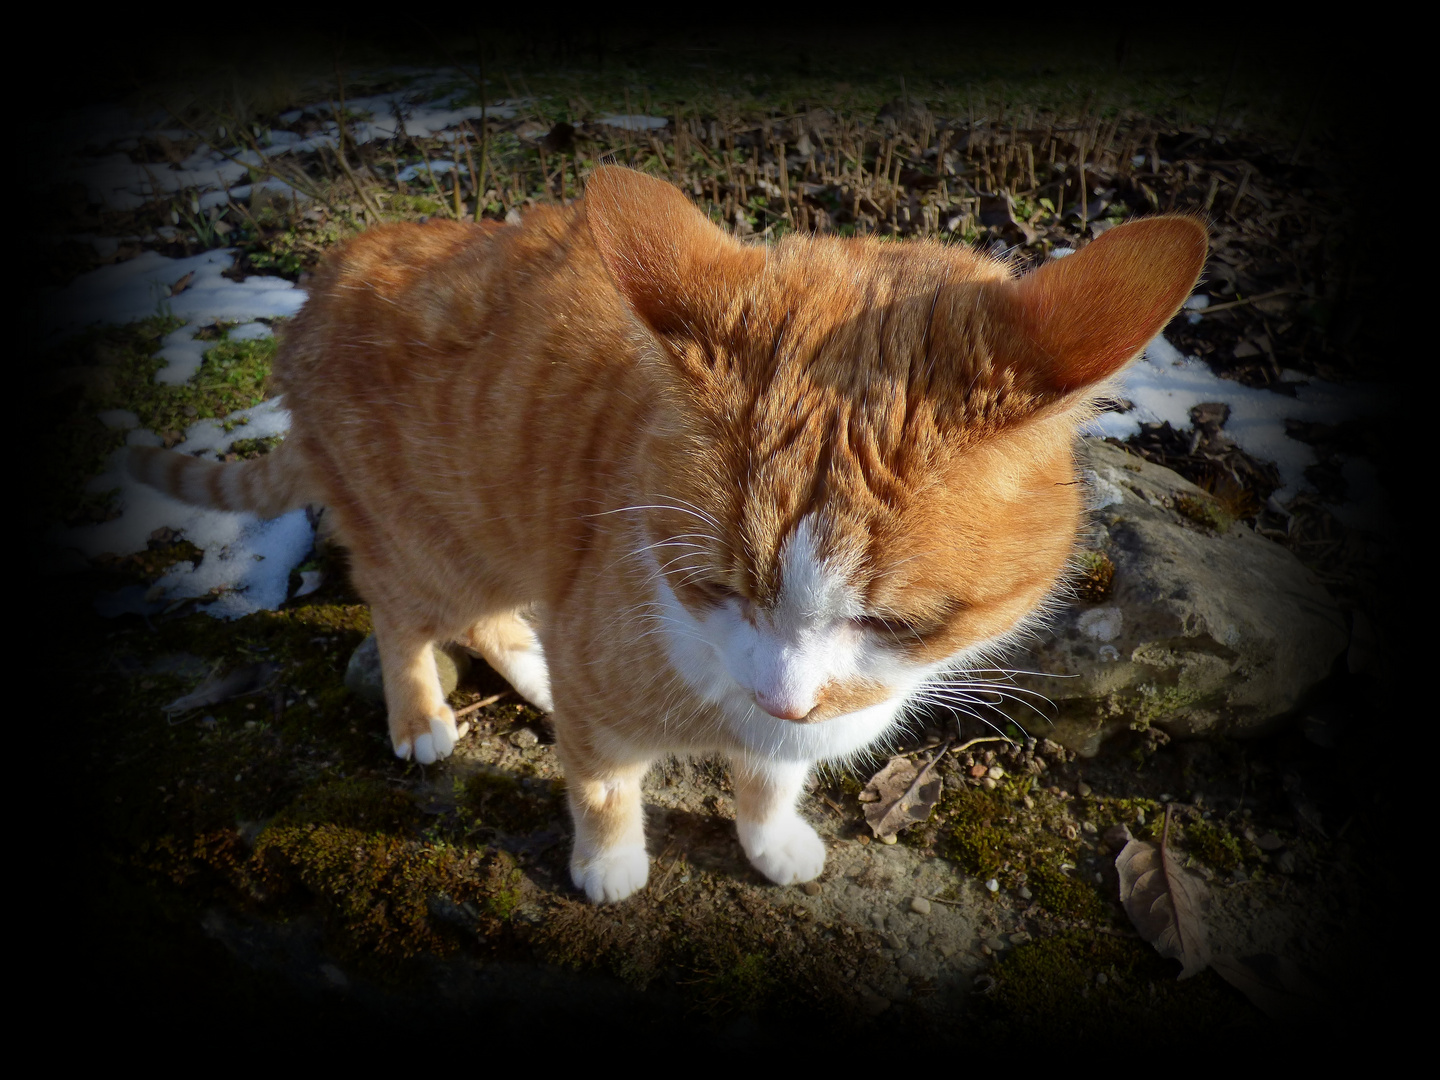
1286 862
995 772
1089 827
811 888
334 976
1024 893
988 783
524 738
1028 802
993 885
996 944
977 771
862 839
889 838
920 905
1084 789
1269 842
1117 836
1020 937
1101 979
1166 798
986 950
947 949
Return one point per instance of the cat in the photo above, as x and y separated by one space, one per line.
691 495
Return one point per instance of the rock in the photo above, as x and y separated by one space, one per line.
1089 827
524 738
889 838
1084 789
1210 629
811 888
993 885
996 944
920 905
1117 836
1024 892
363 679
1269 842
995 772
1286 862
1020 937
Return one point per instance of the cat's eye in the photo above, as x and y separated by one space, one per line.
887 627
716 592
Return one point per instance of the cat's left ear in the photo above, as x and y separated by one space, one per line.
669 261
1089 314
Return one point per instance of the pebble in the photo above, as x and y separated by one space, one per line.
1286 862
862 839
889 838
995 772
1020 937
919 905
993 885
988 783
1089 827
1269 842
524 738
1025 893
996 944
1083 788
1029 802
811 888
1101 979
1117 836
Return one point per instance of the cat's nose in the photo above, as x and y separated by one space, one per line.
782 708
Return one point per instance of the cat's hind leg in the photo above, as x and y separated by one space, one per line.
510 646
421 724
777 840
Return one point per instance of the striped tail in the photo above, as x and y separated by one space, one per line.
268 485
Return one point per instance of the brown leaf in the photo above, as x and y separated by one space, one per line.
222 684
183 284
1165 901
1274 985
901 794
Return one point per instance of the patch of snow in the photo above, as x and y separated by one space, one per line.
1164 385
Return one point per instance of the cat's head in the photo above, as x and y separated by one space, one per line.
863 469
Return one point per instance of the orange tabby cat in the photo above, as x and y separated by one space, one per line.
691 495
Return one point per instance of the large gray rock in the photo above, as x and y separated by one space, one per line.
1208 628
363 677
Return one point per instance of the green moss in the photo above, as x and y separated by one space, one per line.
1205 511
1049 990
989 837
1212 845
378 889
1096 576
355 802
491 799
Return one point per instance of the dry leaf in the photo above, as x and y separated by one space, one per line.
223 684
901 794
1165 901
1274 985
183 284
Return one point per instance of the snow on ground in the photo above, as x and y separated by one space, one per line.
1164 385
247 562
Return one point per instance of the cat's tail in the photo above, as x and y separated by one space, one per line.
268 485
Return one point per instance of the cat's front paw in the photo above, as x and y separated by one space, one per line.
429 740
611 875
786 849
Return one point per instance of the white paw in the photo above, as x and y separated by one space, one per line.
434 745
611 875
785 849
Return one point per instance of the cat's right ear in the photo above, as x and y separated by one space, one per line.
669 261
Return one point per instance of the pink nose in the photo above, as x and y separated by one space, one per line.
781 710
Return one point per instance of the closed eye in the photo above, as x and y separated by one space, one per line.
897 628
716 592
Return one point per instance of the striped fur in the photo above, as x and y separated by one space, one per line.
692 495
267 485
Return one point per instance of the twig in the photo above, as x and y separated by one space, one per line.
1248 300
468 709
985 738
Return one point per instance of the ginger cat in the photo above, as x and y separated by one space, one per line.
691 495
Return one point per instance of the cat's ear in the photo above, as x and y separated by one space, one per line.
1089 313
668 260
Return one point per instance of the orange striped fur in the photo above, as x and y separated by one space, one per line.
692 495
